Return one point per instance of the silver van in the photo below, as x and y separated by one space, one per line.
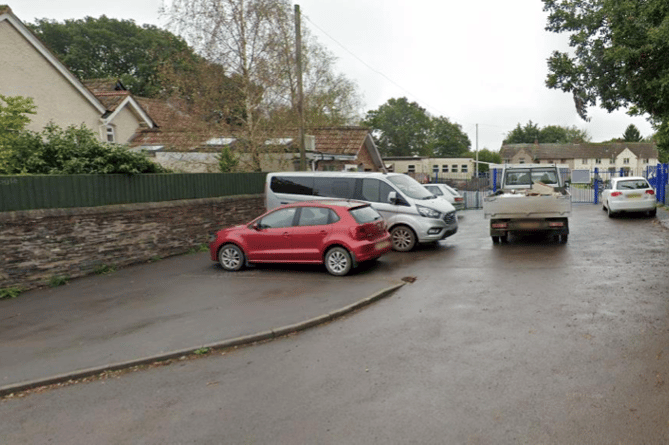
413 214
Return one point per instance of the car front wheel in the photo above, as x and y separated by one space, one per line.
231 257
403 238
338 261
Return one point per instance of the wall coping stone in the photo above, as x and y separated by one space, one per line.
75 211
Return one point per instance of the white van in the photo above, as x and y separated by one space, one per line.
413 214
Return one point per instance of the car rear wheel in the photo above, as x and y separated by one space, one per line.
338 261
653 212
610 213
231 257
403 238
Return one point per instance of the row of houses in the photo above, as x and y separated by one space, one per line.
181 143
626 157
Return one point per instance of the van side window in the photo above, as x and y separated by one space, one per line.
375 191
293 185
334 187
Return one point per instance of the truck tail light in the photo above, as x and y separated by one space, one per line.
458 199
499 225
555 224
616 194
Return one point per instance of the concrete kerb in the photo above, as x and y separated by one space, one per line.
225 344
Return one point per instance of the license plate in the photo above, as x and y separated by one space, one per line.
634 195
529 225
382 245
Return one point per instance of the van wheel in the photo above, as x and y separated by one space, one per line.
338 261
403 238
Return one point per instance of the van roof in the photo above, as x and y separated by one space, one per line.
343 174
350 203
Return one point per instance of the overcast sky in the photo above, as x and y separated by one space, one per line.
475 62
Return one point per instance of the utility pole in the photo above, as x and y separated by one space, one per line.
300 92
476 168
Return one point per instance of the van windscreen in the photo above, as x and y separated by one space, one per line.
410 187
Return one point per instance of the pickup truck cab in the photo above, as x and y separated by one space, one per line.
532 198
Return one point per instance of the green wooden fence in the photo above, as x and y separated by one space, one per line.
62 191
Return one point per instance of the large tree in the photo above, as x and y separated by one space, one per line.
109 48
632 134
619 56
400 128
447 139
254 40
330 98
550 134
403 128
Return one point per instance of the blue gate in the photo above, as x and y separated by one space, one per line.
656 175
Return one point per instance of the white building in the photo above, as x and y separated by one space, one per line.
632 158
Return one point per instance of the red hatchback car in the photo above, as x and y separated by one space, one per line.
339 234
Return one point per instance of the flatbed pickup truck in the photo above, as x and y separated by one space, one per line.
532 198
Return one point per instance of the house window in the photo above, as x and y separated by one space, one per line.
612 161
626 160
598 161
411 168
111 136
563 161
454 168
521 161
444 168
645 161
435 169
584 161
463 169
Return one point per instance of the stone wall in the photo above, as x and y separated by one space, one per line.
37 245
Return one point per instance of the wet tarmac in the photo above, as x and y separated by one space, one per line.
527 342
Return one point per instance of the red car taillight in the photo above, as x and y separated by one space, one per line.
650 192
616 194
367 231
360 232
